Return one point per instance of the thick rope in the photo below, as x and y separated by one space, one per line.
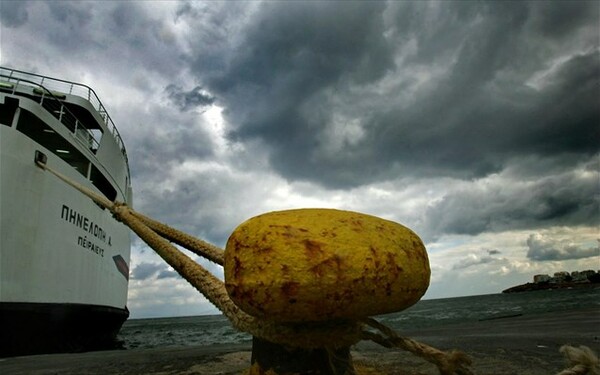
306 335
452 362
193 244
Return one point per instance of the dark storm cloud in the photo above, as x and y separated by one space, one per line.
162 138
69 15
69 26
289 54
13 13
543 249
186 100
355 94
481 113
570 198
297 65
473 133
112 38
199 205
349 94
558 21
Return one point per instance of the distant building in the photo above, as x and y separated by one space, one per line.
576 279
582 276
560 277
588 273
541 278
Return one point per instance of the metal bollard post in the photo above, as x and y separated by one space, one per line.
282 360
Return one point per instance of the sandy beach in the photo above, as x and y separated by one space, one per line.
525 345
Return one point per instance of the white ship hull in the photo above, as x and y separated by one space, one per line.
63 259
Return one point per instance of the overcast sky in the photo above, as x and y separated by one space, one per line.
476 124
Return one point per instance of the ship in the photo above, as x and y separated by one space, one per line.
64 260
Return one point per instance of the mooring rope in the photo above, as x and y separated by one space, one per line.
582 361
335 334
191 243
452 362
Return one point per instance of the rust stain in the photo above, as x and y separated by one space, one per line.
330 265
357 225
388 289
393 267
264 249
290 288
237 267
312 248
327 233
373 250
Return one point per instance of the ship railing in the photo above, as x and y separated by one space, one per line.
52 102
54 90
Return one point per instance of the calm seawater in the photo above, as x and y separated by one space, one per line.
215 329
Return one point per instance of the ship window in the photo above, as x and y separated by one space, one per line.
102 184
30 125
7 110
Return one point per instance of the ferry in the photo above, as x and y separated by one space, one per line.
64 260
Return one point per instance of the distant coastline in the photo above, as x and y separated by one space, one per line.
560 280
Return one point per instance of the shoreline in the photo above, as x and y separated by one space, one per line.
532 287
526 344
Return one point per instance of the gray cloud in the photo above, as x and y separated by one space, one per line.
167 274
163 139
72 16
473 261
186 100
13 13
145 271
333 98
544 249
349 95
568 198
300 75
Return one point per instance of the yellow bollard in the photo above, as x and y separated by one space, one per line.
313 266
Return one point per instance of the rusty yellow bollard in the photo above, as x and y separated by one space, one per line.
314 266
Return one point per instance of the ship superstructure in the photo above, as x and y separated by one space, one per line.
64 260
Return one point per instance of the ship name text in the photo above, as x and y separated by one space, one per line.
94 230
87 244
79 220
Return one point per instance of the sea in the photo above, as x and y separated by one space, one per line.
216 329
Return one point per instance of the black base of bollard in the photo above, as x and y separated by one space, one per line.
282 360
